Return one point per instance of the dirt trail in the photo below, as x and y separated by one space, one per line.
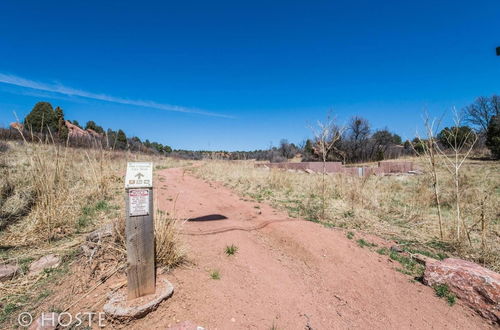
288 273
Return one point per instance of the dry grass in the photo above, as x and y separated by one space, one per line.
169 250
395 207
50 187
50 197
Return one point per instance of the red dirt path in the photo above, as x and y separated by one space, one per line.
287 272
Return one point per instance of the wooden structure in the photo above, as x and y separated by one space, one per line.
139 230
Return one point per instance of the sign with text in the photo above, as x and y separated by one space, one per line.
138 200
139 175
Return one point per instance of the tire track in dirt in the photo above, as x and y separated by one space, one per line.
288 273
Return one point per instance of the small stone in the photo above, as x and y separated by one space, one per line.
46 262
233 320
423 260
308 170
8 272
99 234
396 248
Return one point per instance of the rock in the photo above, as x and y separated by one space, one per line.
87 250
475 285
46 262
396 248
423 260
98 234
46 321
8 272
308 170
17 126
120 308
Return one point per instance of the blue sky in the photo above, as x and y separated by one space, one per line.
240 75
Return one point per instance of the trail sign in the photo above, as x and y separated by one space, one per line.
138 202
139 229
139 175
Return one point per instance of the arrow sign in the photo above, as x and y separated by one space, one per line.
139 175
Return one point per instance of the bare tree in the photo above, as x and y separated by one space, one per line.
480 112
359 133
461 148
428 151
326 134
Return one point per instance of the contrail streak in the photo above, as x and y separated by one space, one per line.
65 90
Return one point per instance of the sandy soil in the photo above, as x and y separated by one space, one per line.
288 273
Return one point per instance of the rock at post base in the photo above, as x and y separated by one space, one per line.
476 286
120 308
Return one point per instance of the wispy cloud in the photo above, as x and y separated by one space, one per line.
65 90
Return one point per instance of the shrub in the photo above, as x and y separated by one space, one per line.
493 136
41 117
231 249
456 136
169 252
442 291
3 146
215 275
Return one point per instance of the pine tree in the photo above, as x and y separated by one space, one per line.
493 136
62 130
42 118
93 126
121 140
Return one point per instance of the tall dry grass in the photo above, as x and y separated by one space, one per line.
50 197
57 183
45 187
400 207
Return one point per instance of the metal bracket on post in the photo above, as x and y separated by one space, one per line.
139 229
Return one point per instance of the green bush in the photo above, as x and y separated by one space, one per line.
493 136
42 117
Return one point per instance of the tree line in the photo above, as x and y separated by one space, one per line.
46 122
353 143
359 142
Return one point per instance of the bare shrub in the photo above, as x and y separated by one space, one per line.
169 251
3 147
461 148
428 151
327 134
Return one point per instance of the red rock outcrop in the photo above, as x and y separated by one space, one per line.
94 133
475 285
75 131
17 125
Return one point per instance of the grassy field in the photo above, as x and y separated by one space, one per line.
398 207
50 198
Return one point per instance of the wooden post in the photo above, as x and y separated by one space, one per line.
139 230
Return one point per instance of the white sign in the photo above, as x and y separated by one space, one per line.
138 202
139 175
